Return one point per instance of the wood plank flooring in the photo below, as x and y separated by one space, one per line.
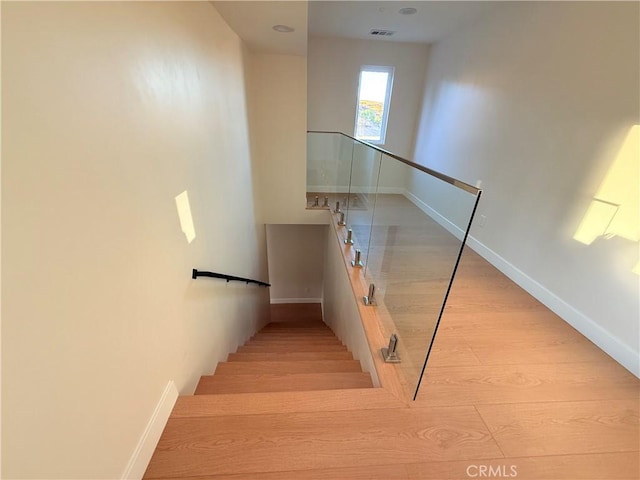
547 394
532 429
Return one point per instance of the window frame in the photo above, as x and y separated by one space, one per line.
385 106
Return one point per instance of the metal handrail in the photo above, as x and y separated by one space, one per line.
434 173
199 273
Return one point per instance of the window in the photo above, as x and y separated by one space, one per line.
374 93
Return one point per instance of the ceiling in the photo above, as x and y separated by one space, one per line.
253 21
355 19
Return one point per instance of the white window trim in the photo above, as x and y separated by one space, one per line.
387 102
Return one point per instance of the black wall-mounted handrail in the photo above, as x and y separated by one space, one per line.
195 274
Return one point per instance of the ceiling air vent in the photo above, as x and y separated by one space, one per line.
381 33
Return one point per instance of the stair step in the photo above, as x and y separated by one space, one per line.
289 356
296 327
282 402
280 348
288 312
363 472
254 368
213 384
318 340
257 340
297 333
250 444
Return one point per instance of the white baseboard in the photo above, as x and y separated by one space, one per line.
396 190
275 301
147 444
451 227
607 342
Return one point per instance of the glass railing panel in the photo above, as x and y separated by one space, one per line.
410 224
360 204
416 238
329 157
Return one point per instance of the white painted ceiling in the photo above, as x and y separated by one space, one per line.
252 20
355 19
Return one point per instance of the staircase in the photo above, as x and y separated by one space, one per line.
288 356
239 421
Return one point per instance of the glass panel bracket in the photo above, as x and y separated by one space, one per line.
349 239
389 354
369 299
356 262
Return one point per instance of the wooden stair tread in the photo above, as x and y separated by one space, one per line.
290 356
253 368
294 334
282 402
213 384
297 332
314 440
296 327
364 472
292 338
618 465
288 341
291 348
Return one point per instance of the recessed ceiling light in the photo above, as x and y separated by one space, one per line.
283 28
407 11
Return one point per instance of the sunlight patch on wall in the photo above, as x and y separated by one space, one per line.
596 221
615 208
170 81
184 213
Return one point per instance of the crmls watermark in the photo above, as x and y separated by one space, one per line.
492 471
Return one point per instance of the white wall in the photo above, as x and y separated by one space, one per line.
278 100
535 100
296 262
110 110
333 72
339 307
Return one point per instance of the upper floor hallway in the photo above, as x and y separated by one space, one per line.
114 111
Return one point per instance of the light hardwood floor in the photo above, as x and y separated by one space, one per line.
556 405
511 391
